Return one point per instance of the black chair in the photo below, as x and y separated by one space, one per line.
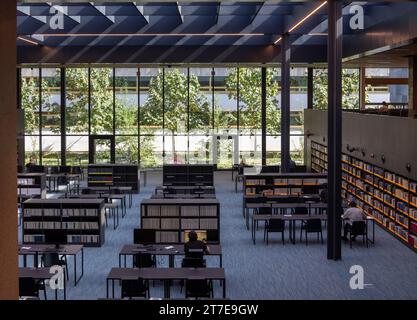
300 210
54 170
135 288
52 259
311 226
144 260
274 225
358 228
29 287
199 288
191 262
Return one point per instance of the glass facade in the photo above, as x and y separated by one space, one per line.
159 115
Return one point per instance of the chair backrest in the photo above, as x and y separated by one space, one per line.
358 228
300 210
189 262
276 224
50 259
197 288
143 260
195 253
87 191
313 225
134 288
28 287
76 170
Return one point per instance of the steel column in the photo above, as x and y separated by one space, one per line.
285 102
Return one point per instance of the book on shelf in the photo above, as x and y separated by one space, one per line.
166 237
170 223
189 224
170 210
190 211
150 223
209 224
208 211
152 210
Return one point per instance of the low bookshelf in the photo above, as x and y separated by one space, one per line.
283 183
31 185
390 198
113 175
82 220
188 175
170 218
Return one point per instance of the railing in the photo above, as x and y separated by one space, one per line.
396 109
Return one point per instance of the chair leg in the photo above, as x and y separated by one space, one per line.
267 238
306 238
282 235
321 235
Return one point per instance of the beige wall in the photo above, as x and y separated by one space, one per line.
394 137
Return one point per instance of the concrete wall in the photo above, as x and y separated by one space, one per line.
394 137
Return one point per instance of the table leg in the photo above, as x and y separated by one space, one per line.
224 288
247 218
65 287
112 287
253 231
221 260
75 270
107 288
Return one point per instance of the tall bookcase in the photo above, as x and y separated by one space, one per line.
113 175
171 217
390 198
282 183
82 220
188 175
31 185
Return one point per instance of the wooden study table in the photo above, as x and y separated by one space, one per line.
124 189
42 274
165 274
161 249
299 217
68 249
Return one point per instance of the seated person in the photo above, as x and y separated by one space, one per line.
30 163
352 214
194 243
323 195
384 108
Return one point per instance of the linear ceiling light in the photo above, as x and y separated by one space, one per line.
146 34
28 41
302 20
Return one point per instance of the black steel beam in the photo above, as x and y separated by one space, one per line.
263 113
334 134
310 88
63 119
285 102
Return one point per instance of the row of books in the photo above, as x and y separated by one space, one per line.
177 210
28 191
319 147
56 212
56 225
103 170
26 181
100 179
172 223
167 237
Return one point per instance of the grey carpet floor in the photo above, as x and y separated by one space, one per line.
265 272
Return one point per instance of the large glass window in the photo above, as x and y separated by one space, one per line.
160 115
101 86
225 100
76 112
126 93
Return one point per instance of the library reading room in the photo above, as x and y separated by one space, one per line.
208 150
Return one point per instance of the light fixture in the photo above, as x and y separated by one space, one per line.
317 34
28 41
147 34
302 20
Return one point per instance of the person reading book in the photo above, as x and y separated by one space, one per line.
195 244
352 214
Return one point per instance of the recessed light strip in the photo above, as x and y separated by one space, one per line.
303 19
147 34
28 41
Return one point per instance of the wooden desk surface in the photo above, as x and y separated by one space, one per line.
160 249
35 273
30 249
289 217
166 273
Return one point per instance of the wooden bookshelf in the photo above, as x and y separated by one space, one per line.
390 198
171 217
113 175
31 185
82 220
188 175
279 184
